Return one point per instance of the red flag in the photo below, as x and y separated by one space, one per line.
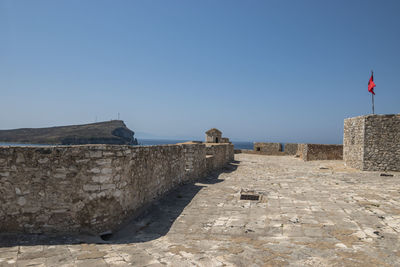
371 84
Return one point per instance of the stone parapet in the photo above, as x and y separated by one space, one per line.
268 148
195 160
93 188
322 152
218 155
291 148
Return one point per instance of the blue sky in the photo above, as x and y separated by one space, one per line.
286 71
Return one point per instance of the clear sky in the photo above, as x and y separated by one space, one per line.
286 71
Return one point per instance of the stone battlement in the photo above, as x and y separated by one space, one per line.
94 188
306 152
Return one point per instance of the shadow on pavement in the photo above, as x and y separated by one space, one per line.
153 223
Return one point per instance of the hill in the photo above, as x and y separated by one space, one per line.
108 132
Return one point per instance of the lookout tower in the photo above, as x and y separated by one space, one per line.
213 136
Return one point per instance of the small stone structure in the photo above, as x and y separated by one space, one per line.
94 188
213 136
274 149
372 142
268 148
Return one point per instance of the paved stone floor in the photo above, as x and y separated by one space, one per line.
310 214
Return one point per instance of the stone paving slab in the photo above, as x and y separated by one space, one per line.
316 213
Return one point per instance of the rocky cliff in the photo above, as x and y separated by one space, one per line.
108 132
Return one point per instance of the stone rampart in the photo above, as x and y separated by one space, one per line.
290 148
304 151
92 188
372 142
322 152
300 149
268 148
218 155
195 160
353 142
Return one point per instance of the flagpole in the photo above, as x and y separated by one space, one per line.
373 108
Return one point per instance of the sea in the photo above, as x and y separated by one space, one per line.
151 142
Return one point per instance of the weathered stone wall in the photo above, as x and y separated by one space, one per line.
225 140
372 142
213 136
82 187
290 148
92 187
322 152
382 143
218 155
274 149
195 160
304 151
300 149
353 142
268 148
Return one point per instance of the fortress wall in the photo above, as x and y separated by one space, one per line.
303 151
268 148
291 148
382 143
90 187
230 150
60 188
195 160
353 142
55 189
300 150
322 152
274 149
372 142
218 155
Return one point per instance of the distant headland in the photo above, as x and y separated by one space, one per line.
107 132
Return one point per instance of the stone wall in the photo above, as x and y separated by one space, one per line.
195 160
322 152
300 149
303 151
218 155
290 148
372 142
225 140
274 149
92 188
353 142
268 148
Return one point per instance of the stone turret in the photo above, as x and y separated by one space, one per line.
372 142
213 136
